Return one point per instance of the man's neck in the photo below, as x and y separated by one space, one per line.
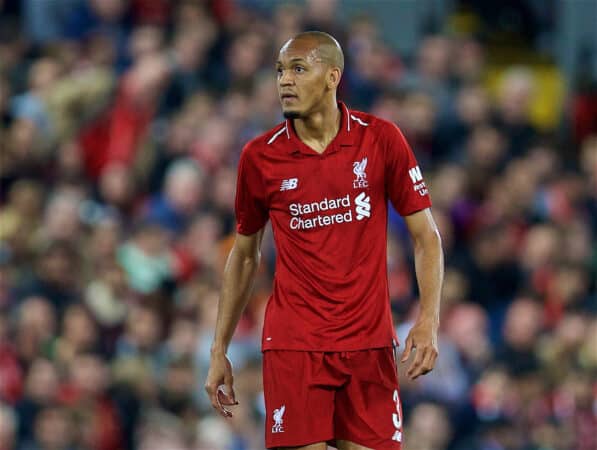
320 128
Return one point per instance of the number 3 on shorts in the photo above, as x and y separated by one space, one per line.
397 418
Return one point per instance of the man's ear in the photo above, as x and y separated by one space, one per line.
334 76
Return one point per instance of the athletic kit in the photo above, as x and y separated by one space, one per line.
328 339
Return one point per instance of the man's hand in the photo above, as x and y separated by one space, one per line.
423 338
219 384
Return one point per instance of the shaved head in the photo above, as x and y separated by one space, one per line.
309 69
327 48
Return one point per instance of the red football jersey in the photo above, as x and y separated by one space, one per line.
329 219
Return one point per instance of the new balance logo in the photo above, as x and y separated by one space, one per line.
363 208
289 184
415 174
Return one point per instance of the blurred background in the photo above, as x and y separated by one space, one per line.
121 123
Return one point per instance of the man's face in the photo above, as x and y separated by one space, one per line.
302 78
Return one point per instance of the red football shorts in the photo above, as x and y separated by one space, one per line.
323 396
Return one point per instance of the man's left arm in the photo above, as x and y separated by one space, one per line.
429 267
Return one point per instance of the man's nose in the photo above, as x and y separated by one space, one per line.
286 78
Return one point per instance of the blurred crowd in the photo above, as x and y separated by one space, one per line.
121 124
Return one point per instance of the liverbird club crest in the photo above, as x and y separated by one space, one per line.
358 168
278 420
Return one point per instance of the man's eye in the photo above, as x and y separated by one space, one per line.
279 70
299 69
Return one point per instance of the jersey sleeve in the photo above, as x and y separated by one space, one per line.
250 203
405 186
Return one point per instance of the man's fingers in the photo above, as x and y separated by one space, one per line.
222 399
429 362
415 367
218 398
212 392
408 348
219 385
229 381
425 364
228 395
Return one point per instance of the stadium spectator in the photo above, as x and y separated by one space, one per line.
121 125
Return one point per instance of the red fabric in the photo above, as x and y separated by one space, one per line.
103 431
223 10
115 136
151 11
352 396
11 375
108 433
185 264
330 289
585 116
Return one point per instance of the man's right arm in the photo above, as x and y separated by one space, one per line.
236 287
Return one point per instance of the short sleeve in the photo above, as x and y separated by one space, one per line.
405 186
250 202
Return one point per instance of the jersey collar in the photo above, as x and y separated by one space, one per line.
344 138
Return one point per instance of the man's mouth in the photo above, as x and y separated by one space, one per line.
287 96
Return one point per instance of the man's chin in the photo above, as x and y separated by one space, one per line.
291 114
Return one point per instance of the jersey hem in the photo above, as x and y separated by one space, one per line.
326 349
248 231
415 210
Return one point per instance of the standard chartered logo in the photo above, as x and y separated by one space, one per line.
363 206
328 212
